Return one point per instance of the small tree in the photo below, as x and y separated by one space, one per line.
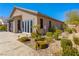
37 29
36 35
72 18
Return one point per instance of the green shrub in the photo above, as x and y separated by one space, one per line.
76 40
74 30
36 36
23 39
70 30
33 35
78 54
56 34
36 46
3 28
58 31
42 44
70 51
66 43
41 38
49 36
51 29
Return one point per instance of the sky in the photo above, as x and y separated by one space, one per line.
54 10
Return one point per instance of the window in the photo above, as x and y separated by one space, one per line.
41 23
31 26
23 26
49 24
28 26
19 27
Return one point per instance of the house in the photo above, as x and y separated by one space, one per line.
24 19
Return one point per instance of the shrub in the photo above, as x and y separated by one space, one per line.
36 36
36 46
42 44
51 29
33 35
3 28
58 31
76 40
74 30
23 39
66 43
70 30
56 34
70 51
41 38
78 54
49 36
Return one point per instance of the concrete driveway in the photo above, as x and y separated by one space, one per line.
9 46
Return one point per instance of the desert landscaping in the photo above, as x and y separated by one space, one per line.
58 38
10 46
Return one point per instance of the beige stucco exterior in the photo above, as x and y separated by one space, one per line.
45 22
25 16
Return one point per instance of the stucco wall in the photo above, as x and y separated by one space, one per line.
25 16
46 23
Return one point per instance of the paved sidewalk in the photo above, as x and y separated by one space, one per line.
9 46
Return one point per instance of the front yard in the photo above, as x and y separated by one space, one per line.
9 45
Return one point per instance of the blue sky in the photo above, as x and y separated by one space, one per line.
54 10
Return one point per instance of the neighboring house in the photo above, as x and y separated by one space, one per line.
24 19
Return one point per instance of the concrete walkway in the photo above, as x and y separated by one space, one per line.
9 46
